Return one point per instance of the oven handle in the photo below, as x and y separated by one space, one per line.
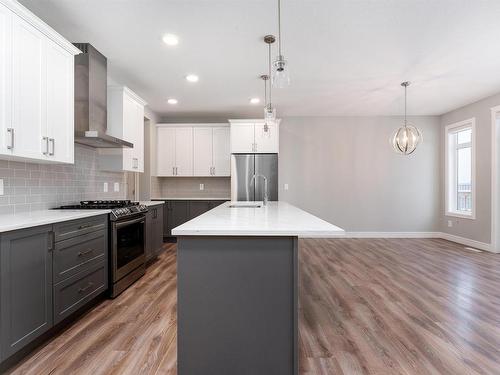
129 222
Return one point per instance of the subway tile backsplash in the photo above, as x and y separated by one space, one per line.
32 186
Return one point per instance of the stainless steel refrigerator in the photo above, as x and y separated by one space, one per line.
244 167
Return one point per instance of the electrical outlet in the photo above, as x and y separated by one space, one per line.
450 223
285 187
202 186
1 186
105 187
117 187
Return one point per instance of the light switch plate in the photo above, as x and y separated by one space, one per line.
286 187
202 186
1 186
116 187
450 223
105 187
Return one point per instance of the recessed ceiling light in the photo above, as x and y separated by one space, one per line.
192 78
255 101
172 101
170 39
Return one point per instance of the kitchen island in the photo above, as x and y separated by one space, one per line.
237 272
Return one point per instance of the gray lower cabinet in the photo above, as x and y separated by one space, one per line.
25 287
177 212
46 274
154 231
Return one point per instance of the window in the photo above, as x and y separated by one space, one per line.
460 169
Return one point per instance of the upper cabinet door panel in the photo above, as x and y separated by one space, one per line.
184 151
60 103
221 151
202 150
29 99
242 138
165 151
5 78
266 141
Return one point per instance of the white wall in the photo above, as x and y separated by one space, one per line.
480 228
344 170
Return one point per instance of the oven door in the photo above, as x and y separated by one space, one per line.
127 246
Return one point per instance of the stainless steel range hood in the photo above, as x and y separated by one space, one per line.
91 100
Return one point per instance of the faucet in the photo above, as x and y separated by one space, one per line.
266 198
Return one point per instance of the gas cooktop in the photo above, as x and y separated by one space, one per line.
119 208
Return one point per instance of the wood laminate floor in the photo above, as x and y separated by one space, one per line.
367 306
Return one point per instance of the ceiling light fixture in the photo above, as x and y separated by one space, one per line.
172 101
269 110
192 78
281 69
170 39
406 139
254 101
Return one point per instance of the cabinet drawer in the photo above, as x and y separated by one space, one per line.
70 229
75 292
78 254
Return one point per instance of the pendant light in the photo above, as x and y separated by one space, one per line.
269 110
406 139
281 70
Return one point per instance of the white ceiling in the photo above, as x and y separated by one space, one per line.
347 57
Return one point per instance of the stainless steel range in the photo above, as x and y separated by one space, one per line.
126 240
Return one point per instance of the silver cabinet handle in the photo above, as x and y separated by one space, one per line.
173 171
46 140
176 172
89 285
52 141
83 253
10 146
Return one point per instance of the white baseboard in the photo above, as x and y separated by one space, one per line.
442 235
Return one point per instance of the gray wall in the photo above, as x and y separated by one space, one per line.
344 170
31 186
480 228
189 187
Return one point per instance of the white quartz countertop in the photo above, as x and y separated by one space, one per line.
150 203
191 199
275 219
10 222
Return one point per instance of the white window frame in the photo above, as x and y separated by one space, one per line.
470 123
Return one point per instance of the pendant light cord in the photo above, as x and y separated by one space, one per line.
279 26
270 92
406 86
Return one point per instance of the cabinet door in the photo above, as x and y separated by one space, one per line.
60 103
148 241
129 131
221 151
158 230
25 287
184 151
165 151
266 141
139 143
242 138
202 151
177 215
196 208
5 79
29 85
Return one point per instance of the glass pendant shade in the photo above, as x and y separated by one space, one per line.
269 113
281 73
406 139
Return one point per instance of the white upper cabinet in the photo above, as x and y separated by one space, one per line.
221 151
252 137
200 150
174 151
126 122
36 88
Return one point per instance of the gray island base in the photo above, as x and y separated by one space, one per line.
237 305
237 274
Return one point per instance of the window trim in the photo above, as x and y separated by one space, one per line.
456 127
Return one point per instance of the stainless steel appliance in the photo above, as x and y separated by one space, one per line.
91 87
126 241
244 187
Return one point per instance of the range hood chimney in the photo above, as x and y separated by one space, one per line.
91 88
